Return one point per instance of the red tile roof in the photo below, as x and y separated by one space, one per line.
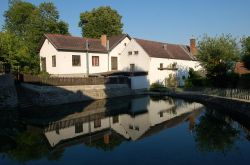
240 68
70 43
165 50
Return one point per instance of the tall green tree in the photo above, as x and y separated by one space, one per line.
103 20
246 52
28 23
218 55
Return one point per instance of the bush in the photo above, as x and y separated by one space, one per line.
157 87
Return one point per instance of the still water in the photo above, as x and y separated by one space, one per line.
138 130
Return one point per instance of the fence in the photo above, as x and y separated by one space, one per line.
231 93
67 81
4 67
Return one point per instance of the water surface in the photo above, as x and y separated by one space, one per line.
137 130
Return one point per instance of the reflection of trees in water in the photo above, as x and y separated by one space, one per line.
26 146
214 133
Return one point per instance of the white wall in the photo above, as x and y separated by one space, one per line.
141 60
64 61
156 75
116 52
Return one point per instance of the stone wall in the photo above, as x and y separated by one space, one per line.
53 95
235 107
8 95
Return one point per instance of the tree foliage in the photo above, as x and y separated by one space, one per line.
103 20
218 55
26 23
246 52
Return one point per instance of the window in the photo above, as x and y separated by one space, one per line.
130 53
130 126
137 128
76 60
136 52
97 123
95 60
54 61
132 67
125 44
161 114
161 65
115 119
78 127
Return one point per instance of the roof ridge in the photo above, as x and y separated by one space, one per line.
160 42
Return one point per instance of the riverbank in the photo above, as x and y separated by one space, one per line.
8 94
238 108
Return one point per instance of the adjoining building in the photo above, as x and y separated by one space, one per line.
64 56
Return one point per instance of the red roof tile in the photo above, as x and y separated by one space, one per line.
240 68
165 50
70 43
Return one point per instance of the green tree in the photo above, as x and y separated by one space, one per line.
28 23
246 52
218 55
103 20
214 134
14 51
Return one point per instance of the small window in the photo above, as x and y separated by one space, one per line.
161 114
130 53
115 119
76 60
137 128
132 67
79 127
54 61
136 52
130 126
161 65
125 44
95 60
97 123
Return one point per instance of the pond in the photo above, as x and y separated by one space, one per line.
126 130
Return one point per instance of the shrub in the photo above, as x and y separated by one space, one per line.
157 87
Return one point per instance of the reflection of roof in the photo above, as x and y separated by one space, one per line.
167 124
165 50
89 138
71 43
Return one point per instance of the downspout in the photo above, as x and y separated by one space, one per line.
87 58
108 53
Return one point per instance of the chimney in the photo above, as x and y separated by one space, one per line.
193 48
104 40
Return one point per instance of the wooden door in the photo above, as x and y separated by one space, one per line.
114 63
43 62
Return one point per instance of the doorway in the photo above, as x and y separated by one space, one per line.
114 63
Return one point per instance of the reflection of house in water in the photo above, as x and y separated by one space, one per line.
135 119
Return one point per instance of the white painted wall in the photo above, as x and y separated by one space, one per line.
64 61
116 52
141 60
156 75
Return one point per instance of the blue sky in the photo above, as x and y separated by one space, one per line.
173 21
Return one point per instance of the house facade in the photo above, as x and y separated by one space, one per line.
160 60
62 55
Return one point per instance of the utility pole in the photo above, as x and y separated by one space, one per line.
87 57
108 52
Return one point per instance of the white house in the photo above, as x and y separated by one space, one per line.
63 55
159 59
